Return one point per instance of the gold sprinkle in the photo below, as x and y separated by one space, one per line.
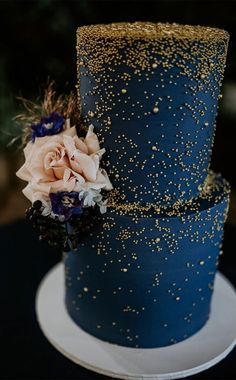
154 147
123 90
155 109
91 113
153 30
154 65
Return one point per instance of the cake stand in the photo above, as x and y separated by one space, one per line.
195 354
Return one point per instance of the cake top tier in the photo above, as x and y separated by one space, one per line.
151 92
149 30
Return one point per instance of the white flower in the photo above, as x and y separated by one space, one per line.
90 197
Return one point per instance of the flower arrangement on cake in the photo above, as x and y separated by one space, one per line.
66 183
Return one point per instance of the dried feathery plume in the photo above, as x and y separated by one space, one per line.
66 105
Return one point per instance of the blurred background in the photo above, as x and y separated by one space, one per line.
38 42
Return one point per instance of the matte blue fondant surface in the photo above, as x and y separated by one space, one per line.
146 282
154 157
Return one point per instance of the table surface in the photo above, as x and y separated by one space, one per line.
26 353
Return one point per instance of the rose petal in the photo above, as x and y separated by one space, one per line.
60 185
99 153
35 163
69 132
92 185
79 143
103 177
35 196
59 172
67 174
69 144
35 191
57 165
70 185
28 148
83 164
78 177
42 141
28 193
91 140
95 159
23 173
67 125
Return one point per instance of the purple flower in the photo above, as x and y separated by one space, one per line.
66 203
48 126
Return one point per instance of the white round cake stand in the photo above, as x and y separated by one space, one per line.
195 354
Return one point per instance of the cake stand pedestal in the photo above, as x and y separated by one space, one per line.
195 354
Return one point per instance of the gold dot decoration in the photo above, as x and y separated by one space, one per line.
91 114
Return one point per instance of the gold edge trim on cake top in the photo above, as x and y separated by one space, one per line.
166 45
149 30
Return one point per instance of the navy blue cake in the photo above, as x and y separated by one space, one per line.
144 275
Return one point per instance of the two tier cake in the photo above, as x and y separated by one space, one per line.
143 273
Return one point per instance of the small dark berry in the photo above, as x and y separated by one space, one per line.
37 205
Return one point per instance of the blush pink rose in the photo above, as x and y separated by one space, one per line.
63 162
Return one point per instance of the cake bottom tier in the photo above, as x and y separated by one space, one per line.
142 279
